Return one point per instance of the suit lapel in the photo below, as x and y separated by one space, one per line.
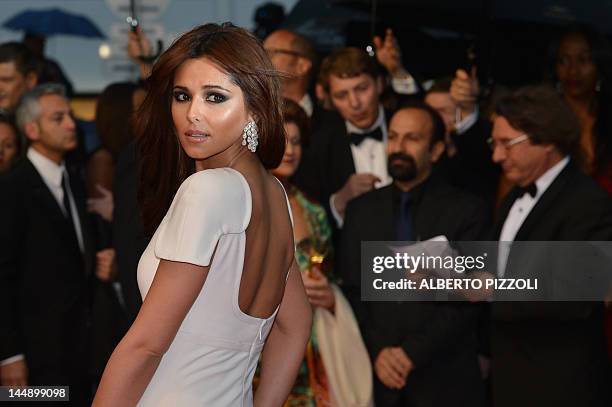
387 221
79 199
503 211
544 203
382 222
43 197
341 156
348 164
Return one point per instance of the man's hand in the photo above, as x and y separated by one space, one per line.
14 374
139 47
318 290
106 266
389 54
392 367
356 185
465 90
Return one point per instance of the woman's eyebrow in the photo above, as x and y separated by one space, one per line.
204 87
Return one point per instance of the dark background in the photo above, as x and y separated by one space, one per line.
511 37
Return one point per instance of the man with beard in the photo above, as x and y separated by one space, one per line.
424 353
346 157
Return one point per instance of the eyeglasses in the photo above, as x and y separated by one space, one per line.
274 51
506 144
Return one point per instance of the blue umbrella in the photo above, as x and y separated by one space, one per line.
53 21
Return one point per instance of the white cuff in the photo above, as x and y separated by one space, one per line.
465 124
337 217
404 86
12 359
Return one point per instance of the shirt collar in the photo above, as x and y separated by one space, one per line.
380 122
306 104
549 176
47 168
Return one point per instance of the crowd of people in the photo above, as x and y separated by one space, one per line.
371 154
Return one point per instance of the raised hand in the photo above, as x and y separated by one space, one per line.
389 54
465 90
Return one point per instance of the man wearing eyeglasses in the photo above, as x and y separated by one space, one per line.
294 56
553 353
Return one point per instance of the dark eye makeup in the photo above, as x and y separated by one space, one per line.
212 97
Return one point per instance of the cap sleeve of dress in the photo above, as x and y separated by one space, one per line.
208 204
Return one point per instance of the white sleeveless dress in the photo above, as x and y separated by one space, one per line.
213 357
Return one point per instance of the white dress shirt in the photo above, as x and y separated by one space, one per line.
519 212
405 85
306 104
370 156
464 125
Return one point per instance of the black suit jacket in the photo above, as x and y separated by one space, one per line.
472 168
319 115
440 338
327 164
44 279
328 161
553 353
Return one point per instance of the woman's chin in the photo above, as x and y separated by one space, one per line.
284 171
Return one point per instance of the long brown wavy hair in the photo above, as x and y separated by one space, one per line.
163 163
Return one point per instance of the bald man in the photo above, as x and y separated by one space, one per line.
294 56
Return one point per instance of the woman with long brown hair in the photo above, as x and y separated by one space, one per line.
218 279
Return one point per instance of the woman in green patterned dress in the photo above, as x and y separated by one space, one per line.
336 370
312 236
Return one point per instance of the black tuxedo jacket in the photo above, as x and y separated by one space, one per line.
44 279
319 115
440 338
472 168
553 353
328 161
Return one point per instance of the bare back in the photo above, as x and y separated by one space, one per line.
269 244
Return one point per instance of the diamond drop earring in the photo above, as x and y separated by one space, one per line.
249 136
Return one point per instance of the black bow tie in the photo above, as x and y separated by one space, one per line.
530 189
357 138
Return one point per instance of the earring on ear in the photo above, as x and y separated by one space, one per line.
598 85
249 136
